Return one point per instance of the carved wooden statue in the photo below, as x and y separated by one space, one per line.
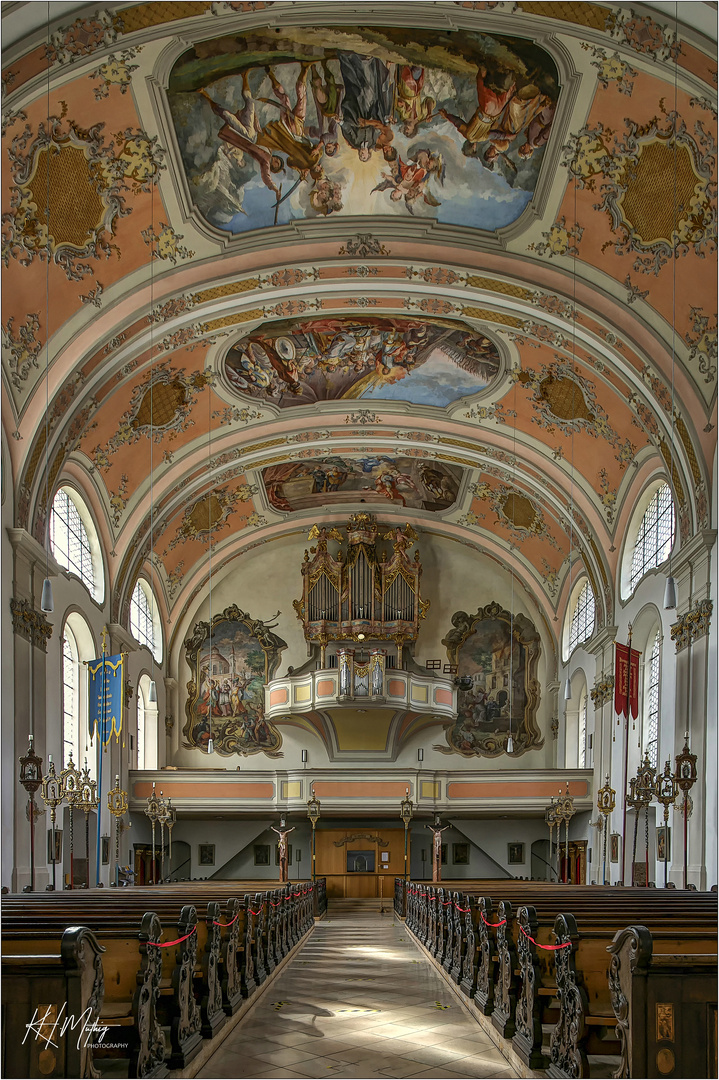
436 850
283 833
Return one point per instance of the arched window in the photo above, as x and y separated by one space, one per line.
655 536
77 647
146 726
650 734
581 625
582 732
74 541
144 619
70 698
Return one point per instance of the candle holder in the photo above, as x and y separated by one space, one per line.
31 779
170 819
313 813
70 780
52 795
686 778
565 811
152 811
117 805
606 801
550 816
87 800
665 792
406 815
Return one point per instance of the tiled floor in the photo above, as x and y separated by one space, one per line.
358 1000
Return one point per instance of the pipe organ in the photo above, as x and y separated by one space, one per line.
362 593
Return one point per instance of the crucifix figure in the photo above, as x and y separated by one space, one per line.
436 849
282 833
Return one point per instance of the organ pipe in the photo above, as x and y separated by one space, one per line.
364 589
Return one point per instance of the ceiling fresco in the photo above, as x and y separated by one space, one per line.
425 362
374 479
413 310
306 122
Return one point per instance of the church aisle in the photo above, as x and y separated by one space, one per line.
359 1000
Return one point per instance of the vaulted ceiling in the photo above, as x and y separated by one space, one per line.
507 356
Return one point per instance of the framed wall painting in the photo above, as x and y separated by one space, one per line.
206 854
614 843
664 843
262 854
460 854
56 855
515 854
105 850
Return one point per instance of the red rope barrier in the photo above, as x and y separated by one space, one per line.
167 944
464 909
502 923
255 912
216 923
445 902
550 948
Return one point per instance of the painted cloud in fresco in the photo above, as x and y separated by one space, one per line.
301 362
303 122
375 479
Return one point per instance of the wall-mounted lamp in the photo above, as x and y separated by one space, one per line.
304 755
420 754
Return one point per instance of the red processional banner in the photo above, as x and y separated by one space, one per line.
626 680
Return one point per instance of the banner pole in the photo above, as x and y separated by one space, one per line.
626 758
100 748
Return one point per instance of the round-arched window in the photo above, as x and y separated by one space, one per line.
145 619
74 541
655 535
583 617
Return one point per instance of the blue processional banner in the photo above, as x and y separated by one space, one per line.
105 696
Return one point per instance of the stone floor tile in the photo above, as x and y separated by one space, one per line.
361 1003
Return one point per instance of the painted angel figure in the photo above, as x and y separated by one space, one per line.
409 179
283 833
436 849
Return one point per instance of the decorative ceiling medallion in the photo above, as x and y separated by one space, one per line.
160 405
420 360
302 122
82 179
208 514
638 183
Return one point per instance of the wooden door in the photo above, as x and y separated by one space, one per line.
354 860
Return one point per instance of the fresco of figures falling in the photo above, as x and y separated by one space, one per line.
300 362
278 124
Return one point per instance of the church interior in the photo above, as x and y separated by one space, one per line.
337 341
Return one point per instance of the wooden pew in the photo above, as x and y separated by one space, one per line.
488 949
189 988
663 1002
51 1003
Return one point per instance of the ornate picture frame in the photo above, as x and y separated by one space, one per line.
479 645
230 662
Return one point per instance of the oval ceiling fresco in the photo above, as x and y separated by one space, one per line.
300 362
304 122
